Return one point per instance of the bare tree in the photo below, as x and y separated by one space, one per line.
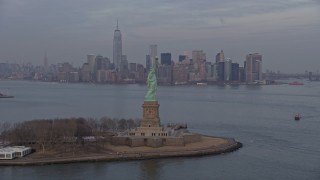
21 133
4 130
43 131
94 126
67 133
108 124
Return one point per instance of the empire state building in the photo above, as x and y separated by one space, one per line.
117 48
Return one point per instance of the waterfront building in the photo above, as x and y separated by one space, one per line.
133 72
65 67
141 74
242 74
107 62
202 71
132 67
64 70
100 63
199 71
208 68
91 60
180 73
235 72
15 71
209 71
165 58
214 72
310 76
253 67
227 69
259 68
164 74
102 76
124 64
61 77
85 73
193 77
221 71
73 77
117 48
112 76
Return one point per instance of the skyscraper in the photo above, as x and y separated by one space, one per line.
182 58
220 71
166 58
124 64
91 59
198 56
235 71
100 63
148 62
153 53
117 48
228 70
220 57
199 59
253 67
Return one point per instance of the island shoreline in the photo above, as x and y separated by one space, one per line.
229 145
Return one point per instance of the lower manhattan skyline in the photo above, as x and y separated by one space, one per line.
285 32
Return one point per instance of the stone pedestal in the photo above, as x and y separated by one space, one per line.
150 116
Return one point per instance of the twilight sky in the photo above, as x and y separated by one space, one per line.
285 32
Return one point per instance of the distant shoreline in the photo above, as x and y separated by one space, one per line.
208 146
189 83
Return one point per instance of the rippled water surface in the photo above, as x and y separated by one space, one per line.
261 117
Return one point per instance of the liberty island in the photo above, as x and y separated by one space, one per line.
149 140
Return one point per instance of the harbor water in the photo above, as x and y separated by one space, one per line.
275 146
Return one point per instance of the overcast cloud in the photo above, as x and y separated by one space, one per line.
285 32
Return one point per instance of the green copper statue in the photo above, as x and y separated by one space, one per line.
152 83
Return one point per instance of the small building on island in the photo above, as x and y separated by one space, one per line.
150 132
12 152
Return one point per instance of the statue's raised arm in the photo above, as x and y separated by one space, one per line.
152 83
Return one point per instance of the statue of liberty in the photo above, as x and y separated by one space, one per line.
152 82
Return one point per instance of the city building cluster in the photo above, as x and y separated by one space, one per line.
187 70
